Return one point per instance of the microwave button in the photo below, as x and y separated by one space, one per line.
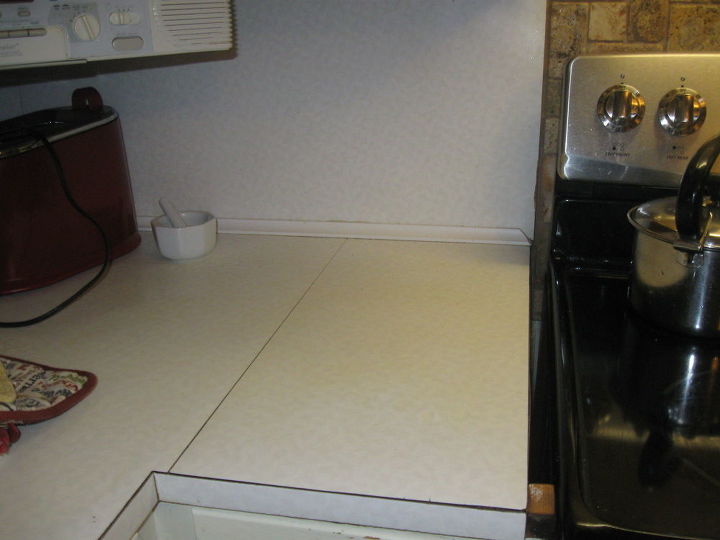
17 33
128 43
122 18
36 32
23 12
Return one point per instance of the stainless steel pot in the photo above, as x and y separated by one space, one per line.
675 280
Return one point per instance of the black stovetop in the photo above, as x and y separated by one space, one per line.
638 407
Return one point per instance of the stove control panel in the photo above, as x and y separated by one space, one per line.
637 119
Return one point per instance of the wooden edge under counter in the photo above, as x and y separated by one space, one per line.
541 521
541 499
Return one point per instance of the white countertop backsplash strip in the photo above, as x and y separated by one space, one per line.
371 231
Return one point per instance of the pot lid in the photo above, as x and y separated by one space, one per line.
657 218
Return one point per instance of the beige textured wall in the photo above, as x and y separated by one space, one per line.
606 27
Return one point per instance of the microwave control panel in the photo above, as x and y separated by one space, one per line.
36 32
637 119
52 30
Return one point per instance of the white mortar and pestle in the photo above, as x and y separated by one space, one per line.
184 235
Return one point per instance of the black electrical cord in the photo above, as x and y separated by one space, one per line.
106 244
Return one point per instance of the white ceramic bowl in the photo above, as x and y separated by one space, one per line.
191 242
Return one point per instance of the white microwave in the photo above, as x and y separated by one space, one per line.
39 32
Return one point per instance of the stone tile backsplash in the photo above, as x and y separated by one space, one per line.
606 27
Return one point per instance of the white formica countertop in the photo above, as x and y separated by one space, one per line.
380 368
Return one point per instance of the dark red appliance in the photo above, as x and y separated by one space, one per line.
43 239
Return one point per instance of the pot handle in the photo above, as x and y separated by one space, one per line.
689 209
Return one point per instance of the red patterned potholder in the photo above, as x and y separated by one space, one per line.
43 392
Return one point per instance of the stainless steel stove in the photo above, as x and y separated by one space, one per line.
638 407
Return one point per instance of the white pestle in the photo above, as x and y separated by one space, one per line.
176 220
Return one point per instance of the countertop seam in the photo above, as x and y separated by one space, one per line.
260 351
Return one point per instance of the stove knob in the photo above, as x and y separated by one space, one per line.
681 111
621 107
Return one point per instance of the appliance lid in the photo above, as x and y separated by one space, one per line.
23 133
657 219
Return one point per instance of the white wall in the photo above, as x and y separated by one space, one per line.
421 112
